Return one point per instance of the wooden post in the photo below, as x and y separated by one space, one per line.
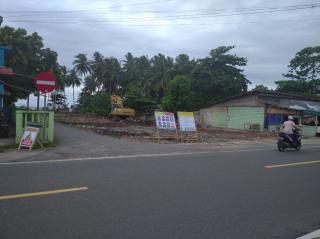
300 120
45 101
158 134
28 102
177 136
38 102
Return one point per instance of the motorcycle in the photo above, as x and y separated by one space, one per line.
285 141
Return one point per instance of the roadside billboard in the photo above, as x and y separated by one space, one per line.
186 121
165 120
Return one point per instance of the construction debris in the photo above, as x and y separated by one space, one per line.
145 132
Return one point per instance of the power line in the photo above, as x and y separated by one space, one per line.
86 10
174 17
101 11
196 24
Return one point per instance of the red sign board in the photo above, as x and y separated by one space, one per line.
45 82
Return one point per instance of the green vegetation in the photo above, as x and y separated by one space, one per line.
29 56
136 99
98 104
161 81
179 95
304 73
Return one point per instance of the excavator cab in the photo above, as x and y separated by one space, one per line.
117 109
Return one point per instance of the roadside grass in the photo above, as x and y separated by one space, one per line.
3 148
8 146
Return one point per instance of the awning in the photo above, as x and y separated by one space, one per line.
18 81
308 107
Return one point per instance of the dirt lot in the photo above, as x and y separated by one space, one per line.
147 132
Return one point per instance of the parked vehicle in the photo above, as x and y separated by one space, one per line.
285 141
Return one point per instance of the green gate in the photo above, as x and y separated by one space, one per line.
42 119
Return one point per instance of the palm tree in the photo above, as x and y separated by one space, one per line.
81 64
97 68
162 72
111 75
90 84
73 80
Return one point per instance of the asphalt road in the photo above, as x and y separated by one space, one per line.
227 194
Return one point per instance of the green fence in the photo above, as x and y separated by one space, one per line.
42 119
305 129
308 130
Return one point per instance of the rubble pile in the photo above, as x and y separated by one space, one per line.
139 131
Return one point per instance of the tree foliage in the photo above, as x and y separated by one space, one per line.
179 96
261 88
72 79
59 99
304 73
177 83
136 99
305 65
218 76
98 104
29 56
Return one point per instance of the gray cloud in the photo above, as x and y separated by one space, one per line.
269 40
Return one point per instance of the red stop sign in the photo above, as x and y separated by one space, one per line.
45 82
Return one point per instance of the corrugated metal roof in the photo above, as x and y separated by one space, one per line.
18 81
300 105
268 94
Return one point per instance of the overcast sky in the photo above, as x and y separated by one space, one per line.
269 40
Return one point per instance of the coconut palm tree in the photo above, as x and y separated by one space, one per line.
73 80
90 84
111 75
161 72
81 64
97 69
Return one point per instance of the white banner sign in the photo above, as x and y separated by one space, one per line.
186 121
165 120
29 137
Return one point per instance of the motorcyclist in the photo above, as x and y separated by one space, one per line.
288 128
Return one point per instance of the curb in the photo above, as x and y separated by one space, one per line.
312 235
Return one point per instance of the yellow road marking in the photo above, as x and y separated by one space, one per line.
23 195
292 164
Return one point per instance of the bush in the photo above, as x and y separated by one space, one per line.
98 104
179 96
136 99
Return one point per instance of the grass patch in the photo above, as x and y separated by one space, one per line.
8 146
35 146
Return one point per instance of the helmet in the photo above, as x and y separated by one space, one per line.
290 117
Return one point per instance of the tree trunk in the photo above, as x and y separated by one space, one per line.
72 94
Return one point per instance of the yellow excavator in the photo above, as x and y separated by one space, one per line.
117 109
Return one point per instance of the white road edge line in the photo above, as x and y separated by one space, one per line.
128 156
312 235
137 156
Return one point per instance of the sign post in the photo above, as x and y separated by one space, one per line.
29 137
45 82
166 121
187 126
